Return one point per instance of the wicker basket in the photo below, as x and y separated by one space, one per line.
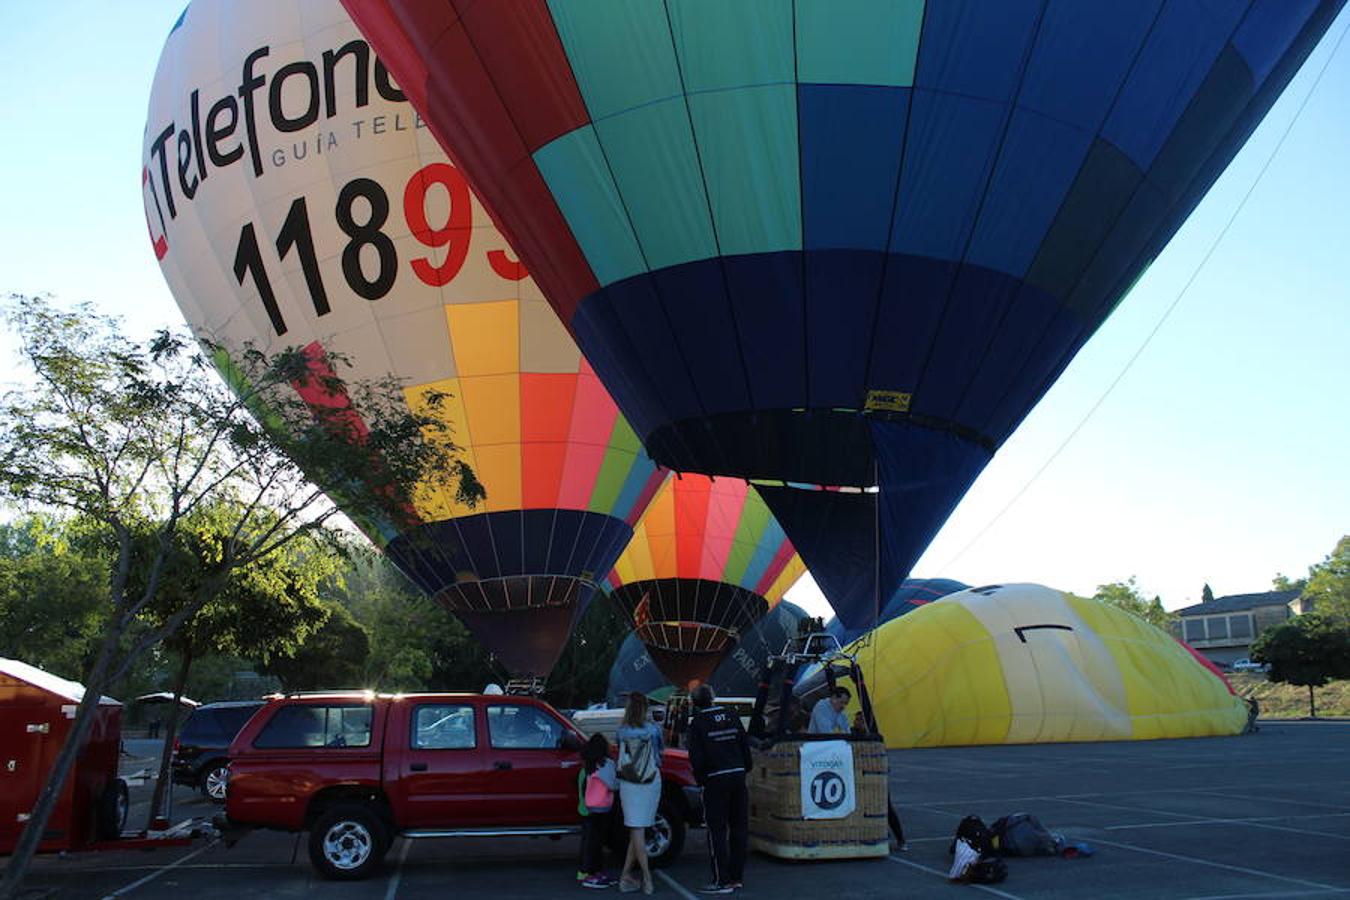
776 824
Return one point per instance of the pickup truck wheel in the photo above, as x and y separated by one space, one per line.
665 838
348 842
213 780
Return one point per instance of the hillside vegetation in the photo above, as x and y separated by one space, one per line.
1287 701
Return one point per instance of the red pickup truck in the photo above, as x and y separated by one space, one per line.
358 769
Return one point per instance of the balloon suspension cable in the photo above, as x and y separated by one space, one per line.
1185 289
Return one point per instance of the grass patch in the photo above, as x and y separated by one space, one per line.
1287 701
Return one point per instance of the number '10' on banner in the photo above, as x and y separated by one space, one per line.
828 790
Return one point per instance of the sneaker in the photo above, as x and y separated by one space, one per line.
582 876
596 881
716 889
736 885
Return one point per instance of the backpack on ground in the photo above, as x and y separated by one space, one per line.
1022 834
637 761
988 870
974 832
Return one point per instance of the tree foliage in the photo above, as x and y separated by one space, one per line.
52 588
1307 650
1206 594
137 437
1328 584
332 658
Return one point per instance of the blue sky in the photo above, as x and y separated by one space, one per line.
1221 456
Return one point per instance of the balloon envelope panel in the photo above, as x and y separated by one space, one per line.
705 563
841 244
1022 663
295 198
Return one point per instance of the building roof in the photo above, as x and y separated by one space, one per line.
1239 603
52 684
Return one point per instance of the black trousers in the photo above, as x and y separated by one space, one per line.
594 827
726 810
894 821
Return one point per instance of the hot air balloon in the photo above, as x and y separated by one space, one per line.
294 198
832 244
909 596
1022 663
706 563
738 675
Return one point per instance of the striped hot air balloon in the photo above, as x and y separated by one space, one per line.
705 564
841 243
295 198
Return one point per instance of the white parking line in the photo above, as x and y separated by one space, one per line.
158 872
943 875
398 870
675 885
1272 895
1217 865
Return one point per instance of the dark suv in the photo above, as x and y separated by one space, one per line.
200 756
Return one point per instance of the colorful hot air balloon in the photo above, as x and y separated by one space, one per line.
294 198
840 242
706 562
1022 663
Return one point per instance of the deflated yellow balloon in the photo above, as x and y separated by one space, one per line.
1023 664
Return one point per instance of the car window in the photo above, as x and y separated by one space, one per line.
294 727
522 727
232 718
440 726
200 726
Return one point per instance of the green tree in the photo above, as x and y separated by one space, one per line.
582 673
1285 583
1207 595
135 436
1307 650
1126 596
1328 584
257 612
51 594
332 658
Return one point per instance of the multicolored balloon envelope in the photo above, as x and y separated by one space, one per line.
706 562
831 243
1025 664
295 198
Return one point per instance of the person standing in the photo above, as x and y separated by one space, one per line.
719 752
639 788
596 783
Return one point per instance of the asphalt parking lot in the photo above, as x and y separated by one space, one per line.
1259 816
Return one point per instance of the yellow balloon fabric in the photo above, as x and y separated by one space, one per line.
1025 664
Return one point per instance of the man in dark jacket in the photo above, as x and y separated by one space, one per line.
720 754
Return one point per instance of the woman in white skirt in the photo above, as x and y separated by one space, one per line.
639 788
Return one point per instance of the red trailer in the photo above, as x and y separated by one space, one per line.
37 712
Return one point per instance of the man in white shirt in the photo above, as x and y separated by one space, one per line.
827 716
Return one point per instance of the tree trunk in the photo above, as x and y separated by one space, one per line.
1312 704
65 761
164 784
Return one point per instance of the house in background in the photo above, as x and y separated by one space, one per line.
1224 629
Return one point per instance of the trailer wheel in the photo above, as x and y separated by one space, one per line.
348 842
112 808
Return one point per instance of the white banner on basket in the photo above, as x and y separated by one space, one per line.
827 780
